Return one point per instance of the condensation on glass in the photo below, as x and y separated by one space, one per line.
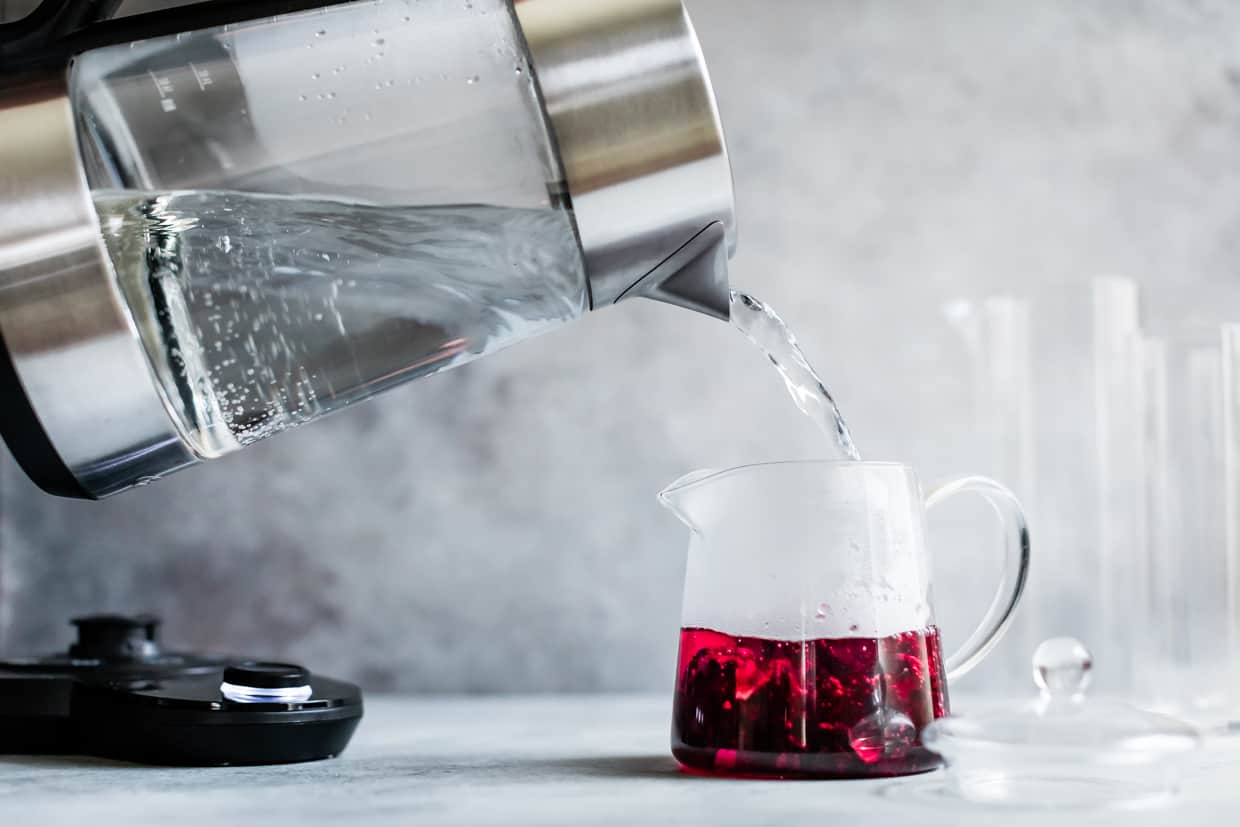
305 210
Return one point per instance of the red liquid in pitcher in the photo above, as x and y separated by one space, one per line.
826 708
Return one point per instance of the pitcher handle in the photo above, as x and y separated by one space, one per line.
1015 567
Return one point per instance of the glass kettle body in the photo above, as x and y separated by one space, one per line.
211 235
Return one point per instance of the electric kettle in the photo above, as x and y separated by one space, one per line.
223 220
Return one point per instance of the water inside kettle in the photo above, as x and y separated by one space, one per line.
260 312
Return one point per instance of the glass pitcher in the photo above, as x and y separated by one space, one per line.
808 643
220 222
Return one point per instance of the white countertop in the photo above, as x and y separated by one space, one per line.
547 760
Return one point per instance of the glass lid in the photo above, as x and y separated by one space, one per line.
1063 749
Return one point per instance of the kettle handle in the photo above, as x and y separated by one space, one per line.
1015 567
56 30
26 40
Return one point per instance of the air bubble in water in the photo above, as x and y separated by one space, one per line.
471 81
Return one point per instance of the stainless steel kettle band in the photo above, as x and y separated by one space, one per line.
633 115
71 344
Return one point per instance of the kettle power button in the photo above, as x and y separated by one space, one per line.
264 682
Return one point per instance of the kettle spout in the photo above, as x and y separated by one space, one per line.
694 277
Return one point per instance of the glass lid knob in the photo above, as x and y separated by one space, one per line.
1061 668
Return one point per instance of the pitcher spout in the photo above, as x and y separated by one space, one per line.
678 497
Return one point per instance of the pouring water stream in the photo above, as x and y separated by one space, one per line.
763 326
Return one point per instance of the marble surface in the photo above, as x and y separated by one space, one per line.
537 760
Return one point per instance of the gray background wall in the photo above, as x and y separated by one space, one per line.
494 528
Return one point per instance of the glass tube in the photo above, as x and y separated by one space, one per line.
1119 470
998 334
1056 382
1184 659
1231 504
